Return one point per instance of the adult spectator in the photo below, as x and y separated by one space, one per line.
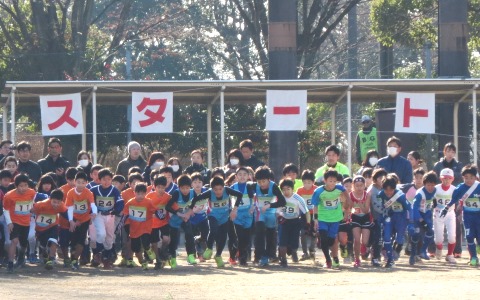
448 161
366 138
394 163
234 161
6 149
25 165
133 159
416 161
246 147
196 156
370 161
156 161
54 161
84 163
174 162
332 154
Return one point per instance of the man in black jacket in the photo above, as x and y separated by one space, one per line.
246 146
25 165
54 161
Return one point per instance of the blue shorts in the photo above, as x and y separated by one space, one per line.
330 227
471 222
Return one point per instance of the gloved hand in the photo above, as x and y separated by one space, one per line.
444 212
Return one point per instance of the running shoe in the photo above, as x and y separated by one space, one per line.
232 261
424 256
335 264
450 259
67 263
173 263
263 261
389 264
49 264
357 263
328 265
207 254
123 262
145 266
191 259
295 257
376 263
438 254
10 267
151 254
473 262
344 252
130 263
283 262
75 265
219 261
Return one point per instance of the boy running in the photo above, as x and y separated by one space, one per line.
308 235
443 196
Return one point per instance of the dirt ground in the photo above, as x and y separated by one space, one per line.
429 280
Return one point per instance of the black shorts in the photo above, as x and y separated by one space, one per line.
64 236
344 227
138 242
126 227
79 236
158 233
44 236
21 233
361 221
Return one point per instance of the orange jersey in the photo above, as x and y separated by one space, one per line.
140 215
62 221
19 206
47 215
159 202
128 194
307 196
81 204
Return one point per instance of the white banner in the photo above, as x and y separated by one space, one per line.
61 114
415 113
286 110
152 112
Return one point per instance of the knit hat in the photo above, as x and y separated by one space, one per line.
133 144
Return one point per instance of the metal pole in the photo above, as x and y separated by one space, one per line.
94 124
333 130
222 126
455 126
12 114
4 120
475 137
209 135
349 128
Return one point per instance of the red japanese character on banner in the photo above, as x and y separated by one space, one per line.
152 112
65 117
153 116
61 114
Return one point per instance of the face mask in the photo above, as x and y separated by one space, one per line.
157 165
392 151
373 161
175 168
234 161
83 163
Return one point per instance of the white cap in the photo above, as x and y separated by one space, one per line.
446 173
133 144
366 118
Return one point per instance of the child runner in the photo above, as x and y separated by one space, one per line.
94 175
268 197
219 201
443 196
178 206
468 192
160 227
328 213
17 205
140 211
244 219
199 220
64 233
422 216
361 217
109 203
394 219
307 234
47 225
377 209
293 217
79 203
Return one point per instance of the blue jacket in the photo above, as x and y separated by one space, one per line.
398 165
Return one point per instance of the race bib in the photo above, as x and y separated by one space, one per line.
331 204
290 210
161 213
23 207
397 207
441 203
200 206
80 207
216 204
45 220
473 203
246 202
105 203
308 201
137 213
262 201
